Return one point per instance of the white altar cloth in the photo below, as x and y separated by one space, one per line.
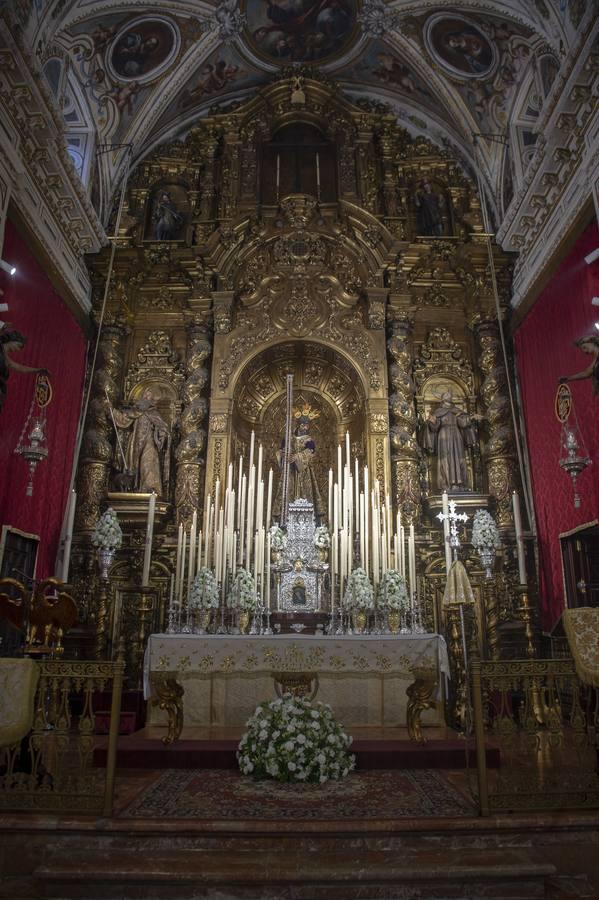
225 676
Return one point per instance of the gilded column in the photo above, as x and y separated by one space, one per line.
499 452
191 456
404 447
98 438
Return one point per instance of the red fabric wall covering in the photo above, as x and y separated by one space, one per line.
54 341
545 350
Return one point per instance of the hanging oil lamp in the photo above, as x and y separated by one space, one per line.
32 442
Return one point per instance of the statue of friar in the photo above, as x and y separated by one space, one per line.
449 433
150 436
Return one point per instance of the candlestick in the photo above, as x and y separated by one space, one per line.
68 538
347 448
252 441
199 553
330 518
145 578
522 577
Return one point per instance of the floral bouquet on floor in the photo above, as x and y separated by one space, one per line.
358 598
485 539
393 598
294 740
203 597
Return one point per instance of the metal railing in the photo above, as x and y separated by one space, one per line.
542 722
53 767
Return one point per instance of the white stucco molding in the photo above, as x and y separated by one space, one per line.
562 175
38 173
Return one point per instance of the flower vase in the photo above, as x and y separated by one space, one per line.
359 621
394 620
243 620
203 618
105 558
487 558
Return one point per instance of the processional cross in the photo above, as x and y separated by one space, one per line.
453 517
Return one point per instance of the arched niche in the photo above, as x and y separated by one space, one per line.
323 379
430 399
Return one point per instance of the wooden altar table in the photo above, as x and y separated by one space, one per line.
224 677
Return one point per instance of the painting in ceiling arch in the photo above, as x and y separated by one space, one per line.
484 58
283 31
459 46
119 59
143 49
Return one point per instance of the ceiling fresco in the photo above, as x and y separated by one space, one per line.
449 70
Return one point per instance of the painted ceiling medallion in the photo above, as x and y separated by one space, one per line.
143 49
460 46
284 31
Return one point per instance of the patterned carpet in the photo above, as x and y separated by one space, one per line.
225 794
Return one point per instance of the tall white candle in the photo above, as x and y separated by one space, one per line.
145 579
242 521
267 571
445 501
178 562
182 573
259 476
269 500
357 493
68 538
412 560
199 553
239 477
402 549
362 529
366 517
347 461
252 441
192 550
339 467
522 576
330 519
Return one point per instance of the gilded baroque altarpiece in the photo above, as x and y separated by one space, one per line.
334 282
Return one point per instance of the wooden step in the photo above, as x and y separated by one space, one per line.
195 874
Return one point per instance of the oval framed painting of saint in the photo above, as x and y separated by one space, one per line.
283 31
460 46
143 49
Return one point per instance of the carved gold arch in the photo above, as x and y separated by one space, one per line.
323 379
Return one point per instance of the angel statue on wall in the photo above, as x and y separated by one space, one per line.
303 484
11 341
149 440
449 433
166 217
590 345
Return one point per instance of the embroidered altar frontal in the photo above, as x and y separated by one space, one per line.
364 678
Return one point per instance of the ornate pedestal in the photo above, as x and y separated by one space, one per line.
298 587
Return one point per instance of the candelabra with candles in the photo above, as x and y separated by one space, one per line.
235 535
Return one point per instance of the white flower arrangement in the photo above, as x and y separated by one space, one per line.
243 591
322 538
107 534
485 534
294 740
359 593
204 590
393 592
278 538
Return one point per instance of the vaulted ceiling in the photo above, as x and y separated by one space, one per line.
139 72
